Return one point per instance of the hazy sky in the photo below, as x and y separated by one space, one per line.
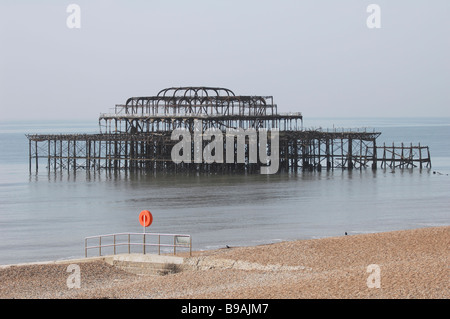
316 57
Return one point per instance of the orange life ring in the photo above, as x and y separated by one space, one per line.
147 216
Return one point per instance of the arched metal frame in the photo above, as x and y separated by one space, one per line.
178 107
197 101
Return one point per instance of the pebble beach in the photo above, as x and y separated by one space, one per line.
407 264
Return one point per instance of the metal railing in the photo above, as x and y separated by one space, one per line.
124 239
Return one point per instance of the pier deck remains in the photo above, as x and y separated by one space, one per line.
137 136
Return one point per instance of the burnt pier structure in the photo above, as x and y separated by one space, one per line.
138 136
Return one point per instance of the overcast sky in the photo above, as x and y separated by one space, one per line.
315 57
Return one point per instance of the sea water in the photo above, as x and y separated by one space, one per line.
47 215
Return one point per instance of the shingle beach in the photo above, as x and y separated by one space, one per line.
407 264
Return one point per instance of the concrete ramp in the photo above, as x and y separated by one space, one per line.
146 265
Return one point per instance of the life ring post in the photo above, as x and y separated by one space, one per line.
145 218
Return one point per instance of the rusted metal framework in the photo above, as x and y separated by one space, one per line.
138 136
174 108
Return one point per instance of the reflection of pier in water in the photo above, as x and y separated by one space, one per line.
138 136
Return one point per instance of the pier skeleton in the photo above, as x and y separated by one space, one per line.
137 136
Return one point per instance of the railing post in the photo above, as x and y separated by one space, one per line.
190 246
128 243
85 248
114 243
159 244
100 245
143 243
174 245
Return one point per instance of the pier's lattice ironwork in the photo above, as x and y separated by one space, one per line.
138 136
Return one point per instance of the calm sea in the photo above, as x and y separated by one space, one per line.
47 216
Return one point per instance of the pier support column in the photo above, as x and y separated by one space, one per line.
374 157
327 146
349 155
